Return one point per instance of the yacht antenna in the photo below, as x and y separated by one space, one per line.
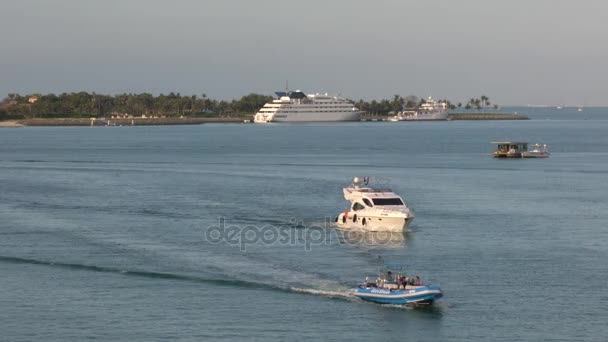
287 86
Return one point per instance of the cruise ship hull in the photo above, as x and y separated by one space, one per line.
317 117
298 107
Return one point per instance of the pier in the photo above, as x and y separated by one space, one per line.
487 116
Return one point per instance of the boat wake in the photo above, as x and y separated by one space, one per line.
337 293
344 294
135 273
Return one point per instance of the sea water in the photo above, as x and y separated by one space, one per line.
223 232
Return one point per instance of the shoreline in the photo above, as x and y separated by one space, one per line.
66 122
50 122
458 116
11 124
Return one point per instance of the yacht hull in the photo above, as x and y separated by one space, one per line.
532 154
498 154
374 223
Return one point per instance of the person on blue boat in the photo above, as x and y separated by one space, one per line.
395 287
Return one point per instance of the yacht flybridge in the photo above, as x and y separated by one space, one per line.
374 209
295 106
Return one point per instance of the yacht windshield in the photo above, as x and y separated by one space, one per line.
358 206
387 201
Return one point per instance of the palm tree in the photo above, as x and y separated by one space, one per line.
477 103
192 102
397 103
485 100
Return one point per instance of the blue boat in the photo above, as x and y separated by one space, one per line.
394 287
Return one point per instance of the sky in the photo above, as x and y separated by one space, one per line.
516 52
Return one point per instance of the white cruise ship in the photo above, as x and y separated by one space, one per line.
429 110
295 106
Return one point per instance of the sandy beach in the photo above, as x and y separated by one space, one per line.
10 123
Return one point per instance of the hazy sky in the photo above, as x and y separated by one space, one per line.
514 51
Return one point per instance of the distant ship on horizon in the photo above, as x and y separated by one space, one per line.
579 108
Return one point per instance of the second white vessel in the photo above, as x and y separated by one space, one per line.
428 111
374 209
537 151
295 106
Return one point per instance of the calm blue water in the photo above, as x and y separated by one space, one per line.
105 233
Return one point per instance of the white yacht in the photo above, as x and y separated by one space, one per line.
295 106
537 151
374 209
429 110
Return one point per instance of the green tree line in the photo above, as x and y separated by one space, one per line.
397 103
83 104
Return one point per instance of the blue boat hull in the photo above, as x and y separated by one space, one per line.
419 295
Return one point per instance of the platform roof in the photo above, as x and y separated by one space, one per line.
509 142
